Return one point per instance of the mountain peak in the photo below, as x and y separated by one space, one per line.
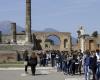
5 27
50 30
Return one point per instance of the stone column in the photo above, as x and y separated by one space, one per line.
13 32
0 36
28 21
82 44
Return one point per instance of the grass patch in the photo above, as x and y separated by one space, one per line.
14 62
11 65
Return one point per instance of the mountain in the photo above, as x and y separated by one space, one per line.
50 30
5 27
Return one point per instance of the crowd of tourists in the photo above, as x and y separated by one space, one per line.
70 63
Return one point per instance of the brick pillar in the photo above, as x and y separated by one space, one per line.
28 21
13 32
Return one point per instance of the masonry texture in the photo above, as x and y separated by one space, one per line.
28 21
13 32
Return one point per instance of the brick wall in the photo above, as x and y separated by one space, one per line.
8 56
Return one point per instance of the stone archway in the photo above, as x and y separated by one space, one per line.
54 38
54 42
64 37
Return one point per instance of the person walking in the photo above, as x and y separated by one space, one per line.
87 65
33 63
73 64
26 60
98 65
44 59
93 64
53 55
58 61
80 64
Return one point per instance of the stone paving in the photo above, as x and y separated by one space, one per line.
41 74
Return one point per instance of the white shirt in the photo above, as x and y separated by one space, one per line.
98 57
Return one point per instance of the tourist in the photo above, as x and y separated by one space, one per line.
26 60
18 56
80 63
58 61
65 64
41 58
44 58
98 65
53 55
73 64
33 62
69 64
93 63
87 65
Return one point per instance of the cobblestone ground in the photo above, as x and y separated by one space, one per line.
40 75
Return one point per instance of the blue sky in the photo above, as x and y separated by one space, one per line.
62 15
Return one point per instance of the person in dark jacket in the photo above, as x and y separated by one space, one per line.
94 65
33 62
87 65
44 59
98 65
53 55
73 64
26 60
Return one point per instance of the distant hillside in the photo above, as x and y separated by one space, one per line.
5 27
50 30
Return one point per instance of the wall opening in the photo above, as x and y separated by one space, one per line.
65 43
55 40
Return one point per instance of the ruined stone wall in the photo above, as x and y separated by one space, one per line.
42 36
61 35
8 38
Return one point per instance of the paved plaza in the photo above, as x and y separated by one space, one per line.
41 74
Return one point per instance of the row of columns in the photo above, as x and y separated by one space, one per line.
28 25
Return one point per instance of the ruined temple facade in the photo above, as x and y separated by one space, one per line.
87 42
64 37
37 39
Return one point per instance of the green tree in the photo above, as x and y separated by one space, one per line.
95 34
